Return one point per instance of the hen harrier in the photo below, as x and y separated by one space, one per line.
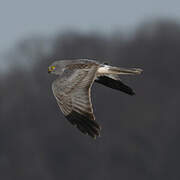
73 86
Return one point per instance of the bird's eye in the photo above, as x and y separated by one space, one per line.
53 68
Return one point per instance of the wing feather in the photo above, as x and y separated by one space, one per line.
74 97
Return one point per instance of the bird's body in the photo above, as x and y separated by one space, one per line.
72 89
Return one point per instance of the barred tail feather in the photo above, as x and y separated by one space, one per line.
133 71
106 69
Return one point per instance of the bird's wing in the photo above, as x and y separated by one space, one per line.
74 99
114 82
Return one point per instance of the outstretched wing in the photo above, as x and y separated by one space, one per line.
74 99
114 82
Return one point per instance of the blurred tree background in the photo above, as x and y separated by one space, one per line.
140 134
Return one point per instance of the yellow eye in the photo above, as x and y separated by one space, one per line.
53 68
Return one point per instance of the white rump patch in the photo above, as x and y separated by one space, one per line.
103 70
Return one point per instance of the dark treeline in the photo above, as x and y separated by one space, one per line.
140 134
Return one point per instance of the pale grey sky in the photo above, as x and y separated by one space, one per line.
22 18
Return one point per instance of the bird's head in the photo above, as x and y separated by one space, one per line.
56 68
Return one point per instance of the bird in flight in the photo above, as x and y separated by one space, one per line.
72 89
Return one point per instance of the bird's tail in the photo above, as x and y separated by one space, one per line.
106 69
109 76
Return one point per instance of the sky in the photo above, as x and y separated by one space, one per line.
23 18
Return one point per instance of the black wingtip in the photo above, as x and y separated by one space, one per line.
115 84
132 93
86 125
